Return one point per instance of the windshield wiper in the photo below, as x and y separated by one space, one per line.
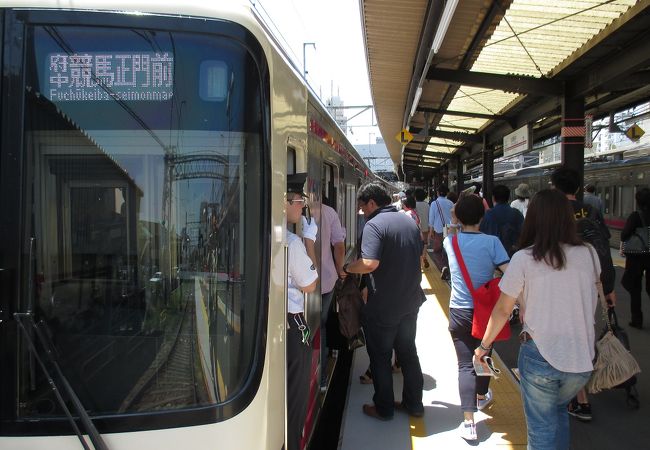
26 323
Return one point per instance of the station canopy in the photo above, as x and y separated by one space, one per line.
461 74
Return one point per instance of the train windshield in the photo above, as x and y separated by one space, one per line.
143 160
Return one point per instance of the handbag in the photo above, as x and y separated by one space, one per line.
349 304
614 363
485 297
637 244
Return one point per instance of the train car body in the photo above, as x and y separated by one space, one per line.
616 184
144 154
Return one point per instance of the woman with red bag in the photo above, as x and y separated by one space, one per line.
481 254
555 274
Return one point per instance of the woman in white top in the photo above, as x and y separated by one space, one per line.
555 274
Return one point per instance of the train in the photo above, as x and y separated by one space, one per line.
616 183
144 153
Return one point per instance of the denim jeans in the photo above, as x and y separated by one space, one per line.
380 342
546 392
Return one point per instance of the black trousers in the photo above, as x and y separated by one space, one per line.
632 281
469 385
380 342
298 359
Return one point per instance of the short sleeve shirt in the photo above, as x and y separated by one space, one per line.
435 220
331 232
394 287
301 273
482 253
557 306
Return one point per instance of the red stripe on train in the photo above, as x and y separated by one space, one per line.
615 223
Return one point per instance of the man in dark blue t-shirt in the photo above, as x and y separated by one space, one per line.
391 246
503 221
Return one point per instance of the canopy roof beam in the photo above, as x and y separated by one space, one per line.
463 113
508 83
452 135
411 152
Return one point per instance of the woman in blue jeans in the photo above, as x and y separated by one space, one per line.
554 276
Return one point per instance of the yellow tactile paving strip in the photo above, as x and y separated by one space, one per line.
504 417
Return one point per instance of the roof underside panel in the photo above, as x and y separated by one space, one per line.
537 35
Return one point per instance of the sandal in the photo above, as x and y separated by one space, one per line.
366 378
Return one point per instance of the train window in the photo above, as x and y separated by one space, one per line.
627 200
329 186
351 213
616 204
607 200
143 196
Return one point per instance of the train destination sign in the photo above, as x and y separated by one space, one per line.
94 76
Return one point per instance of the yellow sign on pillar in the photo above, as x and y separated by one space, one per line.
404 137
634 132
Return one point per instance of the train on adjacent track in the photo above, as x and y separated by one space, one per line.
616 183
143 161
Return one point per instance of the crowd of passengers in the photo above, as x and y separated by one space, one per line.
549 284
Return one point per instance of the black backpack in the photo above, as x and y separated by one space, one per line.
509 235
593 231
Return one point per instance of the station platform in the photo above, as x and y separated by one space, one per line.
502 424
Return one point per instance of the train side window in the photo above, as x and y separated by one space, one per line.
627 200
329 185
291 168
291 160
351 213
616 195
607 200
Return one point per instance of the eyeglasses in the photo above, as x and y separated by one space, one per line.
297 200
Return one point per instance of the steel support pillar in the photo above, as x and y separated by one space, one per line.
459 175
573 137
488 171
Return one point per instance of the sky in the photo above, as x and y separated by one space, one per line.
338 63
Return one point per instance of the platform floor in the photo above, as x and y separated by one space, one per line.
502 425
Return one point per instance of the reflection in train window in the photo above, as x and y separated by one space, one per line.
607 200
141 218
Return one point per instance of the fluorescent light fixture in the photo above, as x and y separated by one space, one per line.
443 25
416 100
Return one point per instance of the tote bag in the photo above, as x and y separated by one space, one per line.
614 363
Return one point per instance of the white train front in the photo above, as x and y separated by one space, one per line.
144 153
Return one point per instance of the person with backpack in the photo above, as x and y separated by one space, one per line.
637 264
591 229
502 220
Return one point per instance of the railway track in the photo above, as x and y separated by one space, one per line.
173 382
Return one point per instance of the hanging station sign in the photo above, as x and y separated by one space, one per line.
517 142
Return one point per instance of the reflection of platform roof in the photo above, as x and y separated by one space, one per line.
499 66
95 165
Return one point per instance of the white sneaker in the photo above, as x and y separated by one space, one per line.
481 403
467 430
